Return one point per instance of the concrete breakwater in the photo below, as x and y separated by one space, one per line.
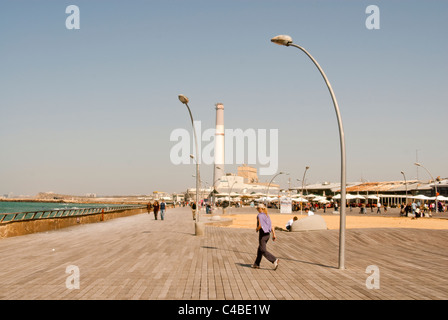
53 222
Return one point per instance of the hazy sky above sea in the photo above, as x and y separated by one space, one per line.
92 110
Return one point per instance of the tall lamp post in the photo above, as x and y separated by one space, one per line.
185 100
406 186
267 190
303 181
435 185
285 40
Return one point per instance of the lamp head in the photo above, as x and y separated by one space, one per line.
417 164
282 40
183 99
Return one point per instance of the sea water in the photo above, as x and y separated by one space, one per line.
12 206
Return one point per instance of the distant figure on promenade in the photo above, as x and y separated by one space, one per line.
407 209
149 207
362 209
378 205
414 208
308 212
193 210
156 208
162 209
264 228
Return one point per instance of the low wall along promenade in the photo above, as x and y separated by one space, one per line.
16 224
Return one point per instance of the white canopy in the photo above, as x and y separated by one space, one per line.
262 199
421 197
348 196
299 200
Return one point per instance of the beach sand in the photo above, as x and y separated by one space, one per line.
352 222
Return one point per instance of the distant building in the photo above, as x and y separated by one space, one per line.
245 183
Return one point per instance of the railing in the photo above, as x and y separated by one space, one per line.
61 213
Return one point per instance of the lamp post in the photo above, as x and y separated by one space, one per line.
406 186
285 40
185 101
303 181
267 190
435 185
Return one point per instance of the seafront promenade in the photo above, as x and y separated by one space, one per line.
137 257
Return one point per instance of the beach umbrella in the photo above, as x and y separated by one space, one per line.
265 199
300 200
439 198
421 197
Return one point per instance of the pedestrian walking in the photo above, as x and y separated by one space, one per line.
156 207
149 207
264 228
162 209
193 210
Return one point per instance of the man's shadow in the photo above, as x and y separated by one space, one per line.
248 265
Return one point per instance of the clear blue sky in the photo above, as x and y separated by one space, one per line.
91 110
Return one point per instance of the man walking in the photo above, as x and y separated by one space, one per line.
162 209
193 210
264 228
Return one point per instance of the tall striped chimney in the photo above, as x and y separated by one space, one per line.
219 144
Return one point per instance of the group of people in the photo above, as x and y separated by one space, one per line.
418 210
156 207
264 228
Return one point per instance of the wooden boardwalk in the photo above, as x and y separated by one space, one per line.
138 257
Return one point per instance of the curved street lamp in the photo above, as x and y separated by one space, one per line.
285 40
267 190
435 185
185 101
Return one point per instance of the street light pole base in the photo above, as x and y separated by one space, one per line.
199 228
